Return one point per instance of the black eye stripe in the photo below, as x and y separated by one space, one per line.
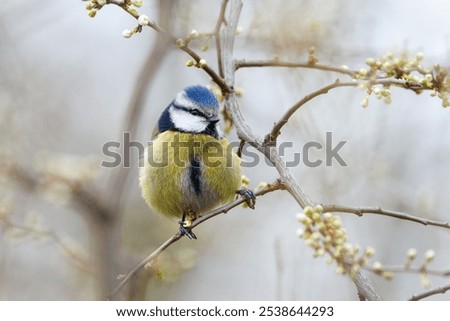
194 112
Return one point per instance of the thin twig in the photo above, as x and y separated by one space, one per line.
174 238
414 270
439 290
242 63
220 21
143 263
271 138
181 43
278 185
360 211
207 68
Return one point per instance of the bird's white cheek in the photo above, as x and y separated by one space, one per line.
187 122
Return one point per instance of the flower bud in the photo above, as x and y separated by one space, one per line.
127 33
143 20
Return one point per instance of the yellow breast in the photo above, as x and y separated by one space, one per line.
185 173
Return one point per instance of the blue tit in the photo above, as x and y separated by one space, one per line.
189 167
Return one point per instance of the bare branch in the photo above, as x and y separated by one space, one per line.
360 211
220 21
242 63
278 185
363 285
416 270
119 3
271 138
124 4
440 290
149 259
214 76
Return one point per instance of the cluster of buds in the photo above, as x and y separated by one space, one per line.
411 256
203 37
94 6
323 232
129 5
429 255
197 35
312 58
411 71
379 269
192 63
143 20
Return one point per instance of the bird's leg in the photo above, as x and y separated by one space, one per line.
185 224
249 196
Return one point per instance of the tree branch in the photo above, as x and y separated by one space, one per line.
271 138
440 290
360 211
220 21
412 270
243 63
214 76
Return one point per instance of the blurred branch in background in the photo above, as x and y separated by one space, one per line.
120 178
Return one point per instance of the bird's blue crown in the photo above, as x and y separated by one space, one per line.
202 96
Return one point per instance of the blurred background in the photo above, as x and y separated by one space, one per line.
70 84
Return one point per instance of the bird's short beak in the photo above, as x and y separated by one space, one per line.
214 119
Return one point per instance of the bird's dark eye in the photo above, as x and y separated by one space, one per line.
194 112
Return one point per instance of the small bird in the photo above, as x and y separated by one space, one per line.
189 167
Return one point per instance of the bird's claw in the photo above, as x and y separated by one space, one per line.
250 197
185 228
